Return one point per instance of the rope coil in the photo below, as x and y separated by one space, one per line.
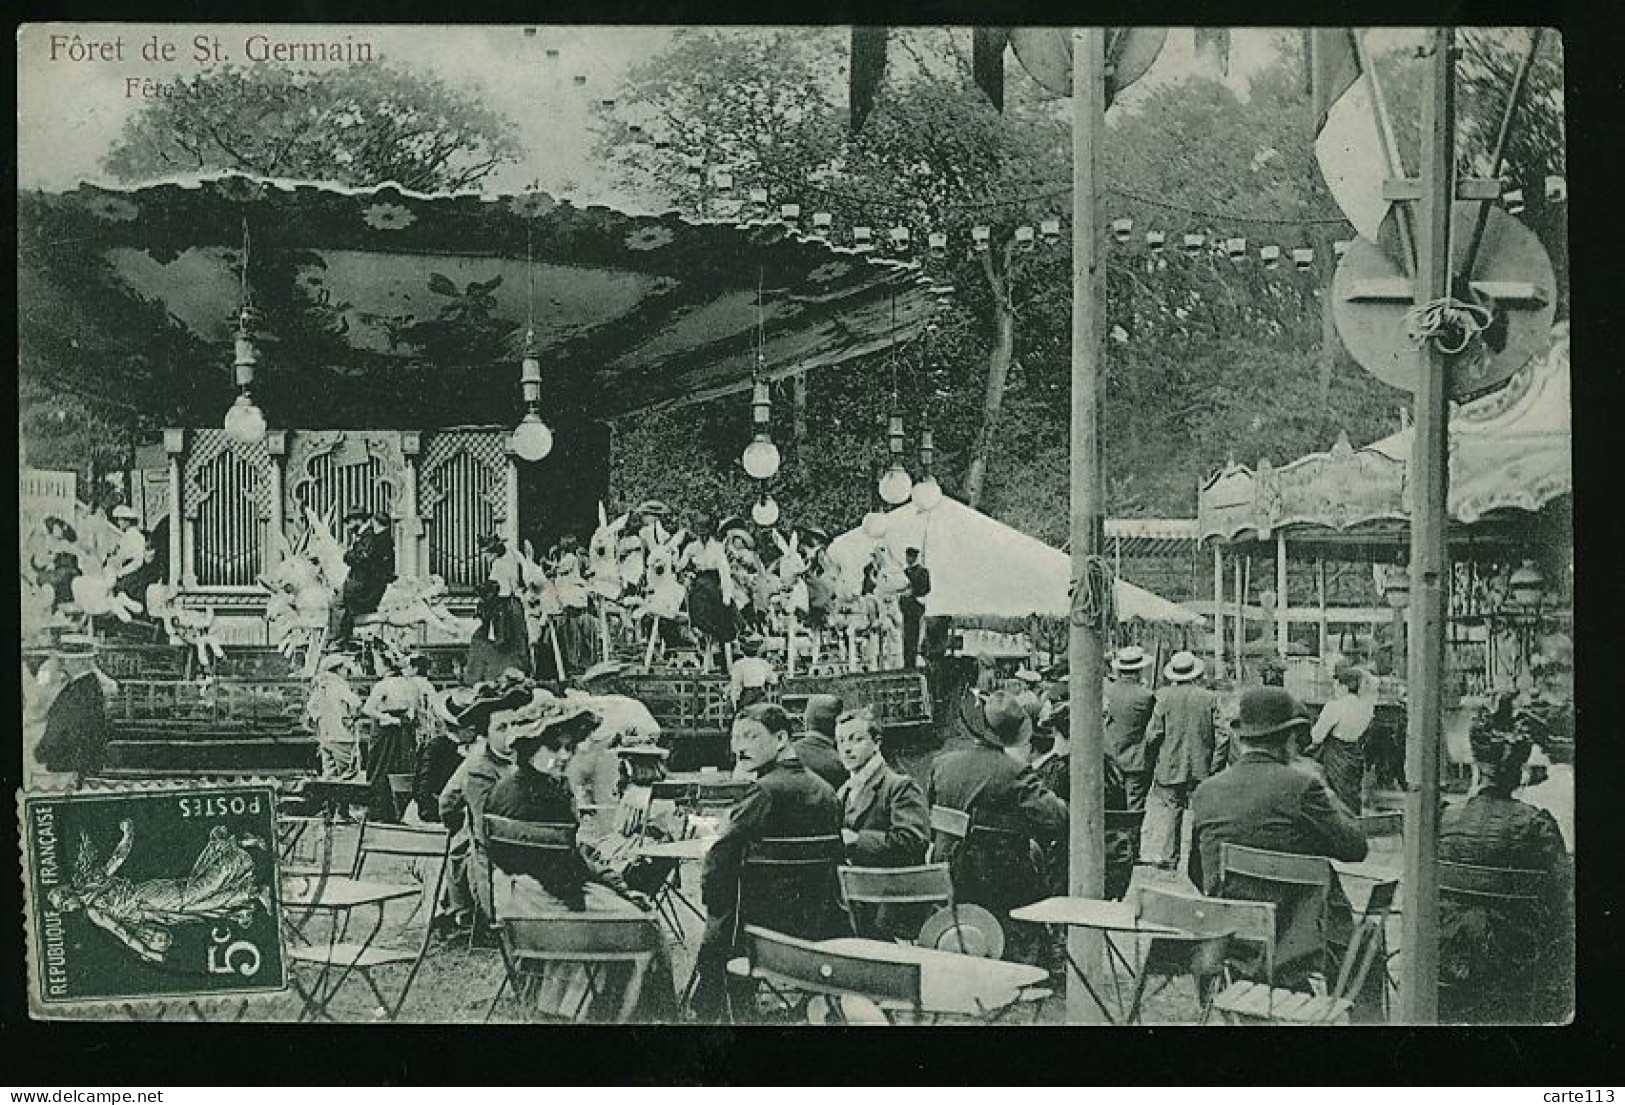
1094 596
1449 323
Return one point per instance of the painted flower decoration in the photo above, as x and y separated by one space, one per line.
115 209
239 189
532 205
388 216
649 237
828 272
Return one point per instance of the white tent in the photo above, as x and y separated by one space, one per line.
982 568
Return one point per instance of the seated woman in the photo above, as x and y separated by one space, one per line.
530 882
1506 962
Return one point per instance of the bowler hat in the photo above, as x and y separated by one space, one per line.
1267 712
1183 667
1132 658
1007 721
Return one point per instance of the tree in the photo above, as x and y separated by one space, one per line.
934 156
358 125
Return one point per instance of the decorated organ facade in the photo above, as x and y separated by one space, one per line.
235 508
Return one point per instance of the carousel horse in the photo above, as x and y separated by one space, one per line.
604 571
664 591
885 616
95 597
792 599
37 613
184 626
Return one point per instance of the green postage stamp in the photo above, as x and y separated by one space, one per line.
151 894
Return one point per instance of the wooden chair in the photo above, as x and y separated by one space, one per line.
949 828
362 958
1510 892
789 884
1300 888
1245 1001
785 965
508 836
1213 925
928 884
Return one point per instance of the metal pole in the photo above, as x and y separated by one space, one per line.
1419 982
1087 830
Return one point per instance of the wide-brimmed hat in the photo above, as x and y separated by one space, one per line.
1006 720
1267 712
1132 658
1183 667
1028 675
542 716
965 929
449 706
125 511
488 698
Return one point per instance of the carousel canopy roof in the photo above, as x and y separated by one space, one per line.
384 307
982 568
1510 453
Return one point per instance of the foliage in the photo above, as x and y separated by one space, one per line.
358 125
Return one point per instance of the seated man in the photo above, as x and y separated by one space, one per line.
784 800
1273 801
1013 818
885 821
815 747
1511 963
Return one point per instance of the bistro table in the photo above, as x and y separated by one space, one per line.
951 984
1105 917
341 896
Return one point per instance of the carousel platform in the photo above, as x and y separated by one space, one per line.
171 719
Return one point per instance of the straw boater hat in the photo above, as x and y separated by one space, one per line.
1132 658
966 929
1267 712
1183 667
123 510
1029 676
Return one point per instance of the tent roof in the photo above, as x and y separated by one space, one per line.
982 568
389 308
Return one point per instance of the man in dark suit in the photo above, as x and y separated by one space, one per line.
783 800
913 605
1180 747
74 743
1128 705
1271 800
1013 818
815 747
371 557
885 822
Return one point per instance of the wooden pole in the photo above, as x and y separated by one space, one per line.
1280 594
1419 981
1218 608
1086 837
1241 620
1320 598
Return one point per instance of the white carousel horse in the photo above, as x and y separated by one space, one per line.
93 594
184 626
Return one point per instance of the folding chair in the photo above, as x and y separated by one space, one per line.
929 884
1253 1001
304 844
1206 927
1385 831
949 828
1300 888
1503 893
595 942
341 896
785 965
509 835
403 790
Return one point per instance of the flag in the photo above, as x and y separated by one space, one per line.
1349 143
1213 44
1046 54
987 62
867 68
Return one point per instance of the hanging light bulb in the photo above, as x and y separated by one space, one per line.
761 456
531 439
1123 230
874 524
245 423
765 512
896 484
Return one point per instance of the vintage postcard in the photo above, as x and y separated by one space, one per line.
939 525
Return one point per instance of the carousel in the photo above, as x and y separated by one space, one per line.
1341 517
368 367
